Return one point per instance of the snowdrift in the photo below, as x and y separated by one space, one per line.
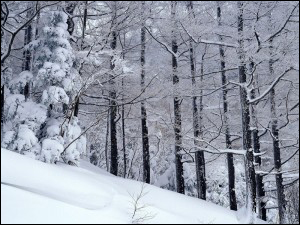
36 192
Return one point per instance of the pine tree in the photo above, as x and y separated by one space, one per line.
60 83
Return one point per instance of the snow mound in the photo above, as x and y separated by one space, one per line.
36 192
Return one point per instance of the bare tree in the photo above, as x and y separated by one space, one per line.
177 104
250 170
145 136
230 160
113 98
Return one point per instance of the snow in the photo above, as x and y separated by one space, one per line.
53 71
36 192
53 131
55 95
221 151
26 138
20 81
12 102
8 137
32 114
51 150
76 144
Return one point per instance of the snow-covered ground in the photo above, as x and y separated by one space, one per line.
36 192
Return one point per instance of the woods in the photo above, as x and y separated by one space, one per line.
201 98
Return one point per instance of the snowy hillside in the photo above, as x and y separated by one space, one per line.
35 192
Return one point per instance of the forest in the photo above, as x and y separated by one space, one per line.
195 97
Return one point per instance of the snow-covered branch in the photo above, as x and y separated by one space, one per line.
267 91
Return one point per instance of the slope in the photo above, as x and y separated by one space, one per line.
35 192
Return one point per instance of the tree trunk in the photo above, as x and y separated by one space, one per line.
113 103
260 191
200 159
230 160
123 133
199 156
77 103
145 136
106 140
27 40
2 110
123 119
276 147
27 53
249 158
177 106
70 10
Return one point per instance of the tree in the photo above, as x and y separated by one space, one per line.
177 104
59 82
249 158
260 191
199 155
276 146
230 160
145 137
113 96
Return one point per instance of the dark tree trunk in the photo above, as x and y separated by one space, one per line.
260 191
276 147
145 136
250 170
27 53
2 110
35 33
26 91
70 10
230 160
123 134
199 156
177 107
76 109
4 15
85 13
261 204
27 40
106 140
123 119
113 104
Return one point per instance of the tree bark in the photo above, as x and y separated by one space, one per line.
249 158
145 136
123 134
276 147
177 106
27 53
113 102
199 156
71 29
106 140
70 8
2 109
260 191
27 40
230 159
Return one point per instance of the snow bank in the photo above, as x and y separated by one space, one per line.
36 192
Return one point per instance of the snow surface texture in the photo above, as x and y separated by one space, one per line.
36 192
